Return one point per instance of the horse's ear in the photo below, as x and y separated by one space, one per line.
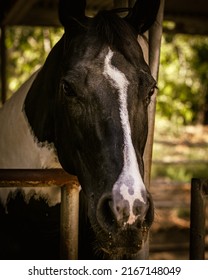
71 11
143 14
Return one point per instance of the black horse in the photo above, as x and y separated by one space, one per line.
85 110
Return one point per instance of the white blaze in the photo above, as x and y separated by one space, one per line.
129 184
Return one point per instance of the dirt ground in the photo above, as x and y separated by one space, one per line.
169 238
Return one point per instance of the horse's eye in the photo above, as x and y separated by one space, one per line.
147 100
67 89
148 97
152 91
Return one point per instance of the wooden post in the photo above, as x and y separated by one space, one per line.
155 35
199 190
3 65
69 221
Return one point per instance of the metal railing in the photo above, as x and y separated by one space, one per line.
69 200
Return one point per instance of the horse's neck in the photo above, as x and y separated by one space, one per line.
41 97
26 124
18 146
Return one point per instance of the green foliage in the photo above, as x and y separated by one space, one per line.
27 49
179 152
179 172
183 77
183 89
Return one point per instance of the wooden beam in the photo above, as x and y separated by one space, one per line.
39 17
18 12
187 24
120 3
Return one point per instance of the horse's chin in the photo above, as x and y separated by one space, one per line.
124 245
122 253
139 252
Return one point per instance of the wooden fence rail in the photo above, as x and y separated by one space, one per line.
69 200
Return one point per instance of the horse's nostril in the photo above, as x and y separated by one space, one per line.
140 209
121 211
111 214
105 215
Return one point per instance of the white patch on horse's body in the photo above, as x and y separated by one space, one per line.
129 184
20 149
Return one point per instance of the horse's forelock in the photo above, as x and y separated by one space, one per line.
115 32
107 29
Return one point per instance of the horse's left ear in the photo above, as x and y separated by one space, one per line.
143 14
72 12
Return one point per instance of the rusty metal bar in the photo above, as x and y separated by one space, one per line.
199 191
34 177
69 221
69 200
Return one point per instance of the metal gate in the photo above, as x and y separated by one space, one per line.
69 200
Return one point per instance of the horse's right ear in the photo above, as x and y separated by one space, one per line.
143 14
72 11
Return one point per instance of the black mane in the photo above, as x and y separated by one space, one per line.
114 31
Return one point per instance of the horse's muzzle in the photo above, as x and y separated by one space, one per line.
119 240
115 219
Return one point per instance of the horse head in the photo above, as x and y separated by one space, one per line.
98 91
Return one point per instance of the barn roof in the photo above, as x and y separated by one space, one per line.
189 16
